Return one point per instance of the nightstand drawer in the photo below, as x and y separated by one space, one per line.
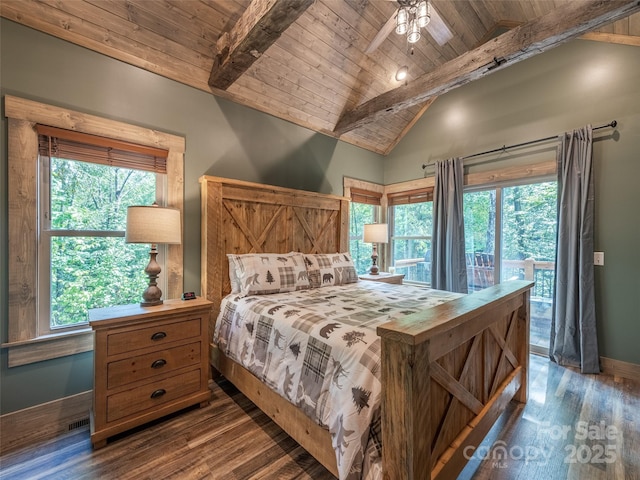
127 341
147 366
152 395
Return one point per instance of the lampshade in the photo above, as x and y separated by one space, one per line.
402 21
423 15
414 31
376 233
153 224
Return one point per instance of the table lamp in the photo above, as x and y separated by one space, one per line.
375 233
153 225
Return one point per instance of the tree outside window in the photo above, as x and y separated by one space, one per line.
411 240
360 213
82 234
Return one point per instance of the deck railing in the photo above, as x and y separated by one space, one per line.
481 276
542 272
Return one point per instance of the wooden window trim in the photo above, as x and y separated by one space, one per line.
23 344
540 170
354 185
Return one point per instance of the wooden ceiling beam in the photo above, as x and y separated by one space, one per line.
568 21
257 29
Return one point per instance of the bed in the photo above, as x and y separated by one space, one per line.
446 372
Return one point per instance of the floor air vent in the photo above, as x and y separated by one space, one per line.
78 424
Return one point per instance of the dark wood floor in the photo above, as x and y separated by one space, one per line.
231 439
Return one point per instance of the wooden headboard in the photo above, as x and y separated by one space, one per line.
244 217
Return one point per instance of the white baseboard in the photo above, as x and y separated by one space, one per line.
43 422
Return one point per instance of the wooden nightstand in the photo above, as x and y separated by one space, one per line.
384 277
149 362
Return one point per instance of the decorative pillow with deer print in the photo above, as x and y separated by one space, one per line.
326 270
265 273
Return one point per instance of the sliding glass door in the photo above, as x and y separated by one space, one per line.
510 233
528 249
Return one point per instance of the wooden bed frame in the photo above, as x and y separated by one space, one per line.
448 372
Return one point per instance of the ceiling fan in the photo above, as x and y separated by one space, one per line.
424 14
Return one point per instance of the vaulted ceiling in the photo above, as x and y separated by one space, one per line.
320 63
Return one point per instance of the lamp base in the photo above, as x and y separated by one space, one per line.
152 295
151 304
374 270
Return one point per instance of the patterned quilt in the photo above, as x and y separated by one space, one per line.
318 348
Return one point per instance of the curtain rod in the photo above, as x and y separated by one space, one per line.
612 124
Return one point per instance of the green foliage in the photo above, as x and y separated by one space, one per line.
479 221
528 221
90 270
359 214
412 220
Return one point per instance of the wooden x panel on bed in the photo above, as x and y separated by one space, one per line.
460 388
258 241
460 357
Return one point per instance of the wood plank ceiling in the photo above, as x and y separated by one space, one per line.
306 61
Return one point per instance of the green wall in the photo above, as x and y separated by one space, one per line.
222 139
575 84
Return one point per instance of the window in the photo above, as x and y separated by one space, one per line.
84 262
87 183
360 213
480 238
27 340
364 208
411 223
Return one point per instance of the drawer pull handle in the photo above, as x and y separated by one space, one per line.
159 363
158 393
158 336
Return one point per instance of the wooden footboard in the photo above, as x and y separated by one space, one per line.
447 374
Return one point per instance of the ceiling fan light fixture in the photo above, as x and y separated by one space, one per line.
424 14
411 16
414 31
402 21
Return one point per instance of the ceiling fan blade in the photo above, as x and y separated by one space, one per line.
437 28
382 34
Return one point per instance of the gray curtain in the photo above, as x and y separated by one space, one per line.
448 265
574 340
